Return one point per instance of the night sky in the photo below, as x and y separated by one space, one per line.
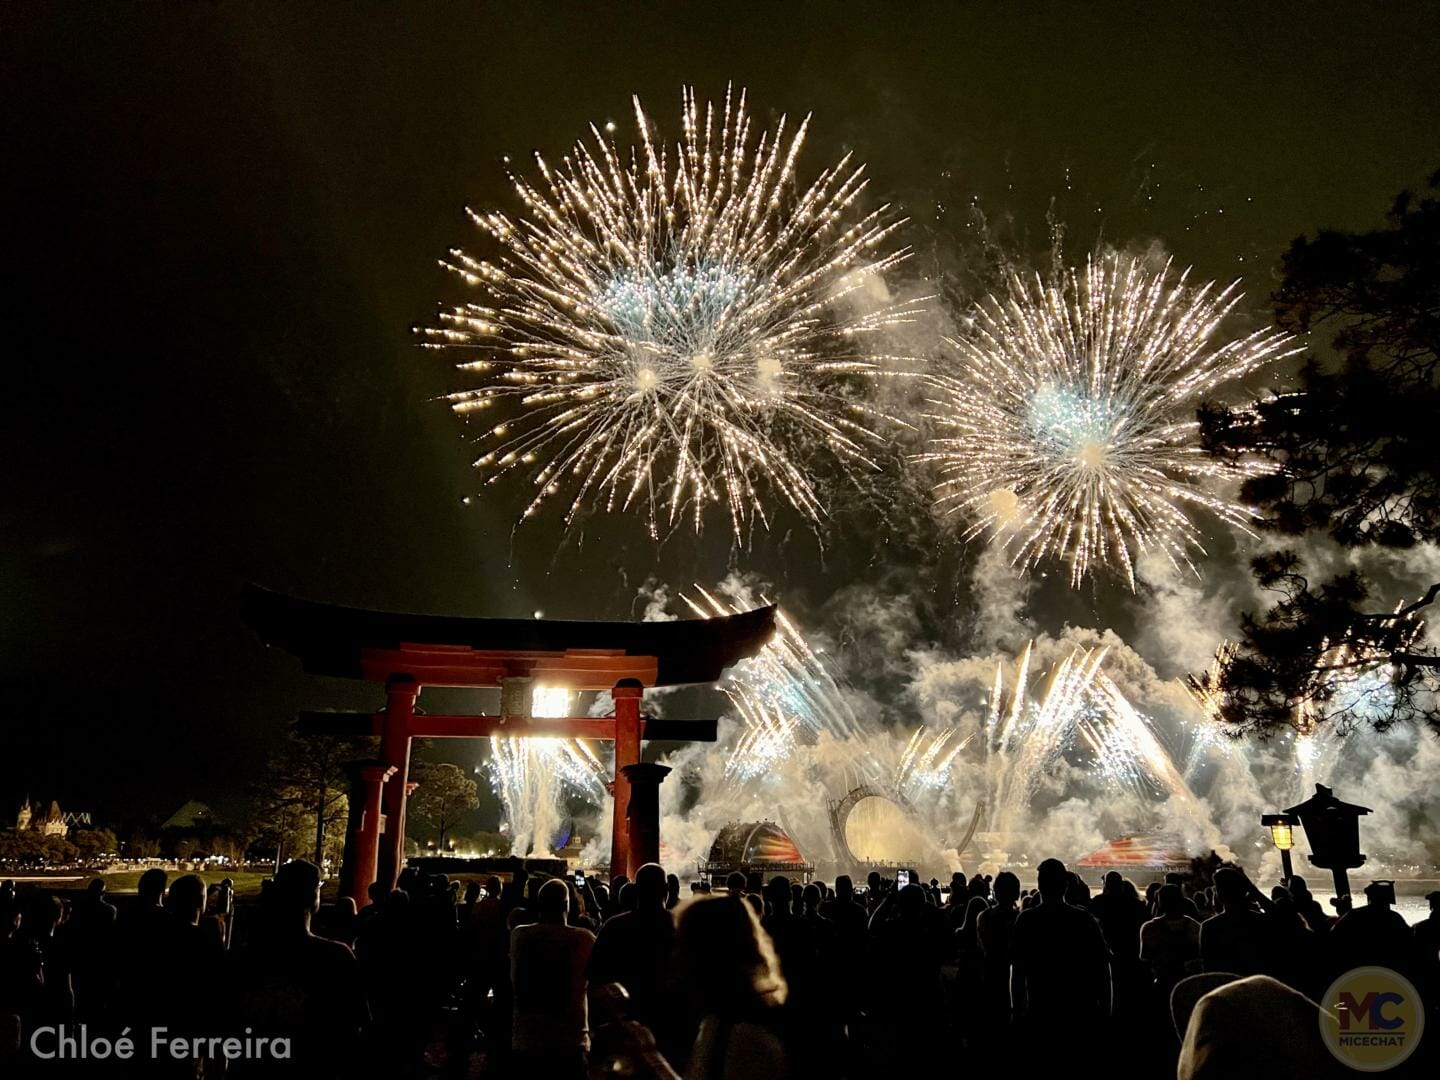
222 222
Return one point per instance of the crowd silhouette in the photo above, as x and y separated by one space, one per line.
1199 976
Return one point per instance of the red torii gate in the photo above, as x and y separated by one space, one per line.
409 652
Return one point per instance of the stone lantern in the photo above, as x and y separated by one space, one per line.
1333 829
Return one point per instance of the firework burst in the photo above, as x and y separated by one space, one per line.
1067 429
674 328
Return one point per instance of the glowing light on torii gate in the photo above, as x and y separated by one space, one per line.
409 652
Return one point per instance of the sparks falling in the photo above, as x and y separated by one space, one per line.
784 696
1348 686
1067 428
1077 706
531 775
925 765
666 329
1354 684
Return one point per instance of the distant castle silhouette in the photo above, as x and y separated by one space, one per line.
48 822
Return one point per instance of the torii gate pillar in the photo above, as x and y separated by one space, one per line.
362 840
642 816
400 695
627 695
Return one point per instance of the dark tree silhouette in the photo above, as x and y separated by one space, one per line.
444 793
93 844
304 789
1357 451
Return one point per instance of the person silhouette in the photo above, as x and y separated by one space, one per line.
913 940
1255 1028
343 922
995 931
633 949
672 892
1427 930
1060 972
142 931
1170 942
1309 908
1426 933
288 982
967 937
846 914
1120 916
1373 934
89 937
34 979
728 978
550 1034
956 901
1236 939
1293 950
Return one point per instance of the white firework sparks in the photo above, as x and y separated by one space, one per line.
1207 739
1132 754
532 774
1317 755
925 765
675 328
1348 687
1026 735
768 739
1314 749
1354 683
1079 706
785 696
1067 429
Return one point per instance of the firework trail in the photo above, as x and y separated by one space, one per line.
1206 739
676 327
1067 428
1026 735
1132 756
1312 751
768 739
926 763
1350 685
517 785
532 775
785 697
